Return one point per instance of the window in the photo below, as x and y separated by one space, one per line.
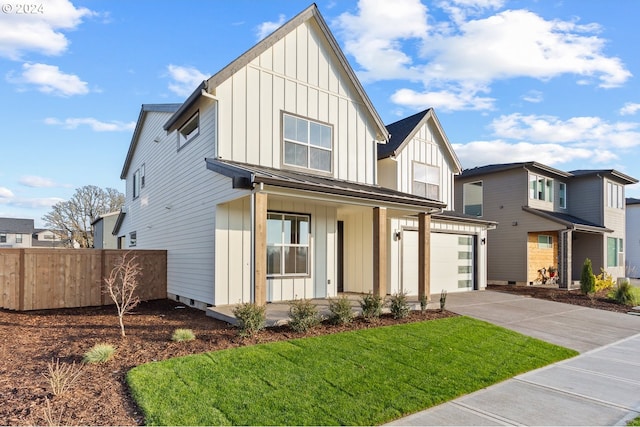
3 237
615 195
18 238
136 183
540 188
133 238
615 252
287 244
307 144
189 130
545 242
142 176
426 181
562 189
472 195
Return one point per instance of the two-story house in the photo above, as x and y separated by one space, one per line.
264 184
547 217
15 232
632 241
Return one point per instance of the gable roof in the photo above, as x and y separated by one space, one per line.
610 173
146 108
310 12
402 131
569 221
16 225
495 168
632 201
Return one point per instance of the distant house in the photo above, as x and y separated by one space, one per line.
103 226
633 238
547 217
45 238
271 182
15 232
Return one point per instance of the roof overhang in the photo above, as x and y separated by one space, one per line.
570 222
451 216
246 176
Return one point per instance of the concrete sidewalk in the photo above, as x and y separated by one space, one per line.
599 387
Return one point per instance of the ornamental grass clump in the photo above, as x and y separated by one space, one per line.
181 335
99 353
625 294
251 318
399 306
303 315
61 376
371 306
340 311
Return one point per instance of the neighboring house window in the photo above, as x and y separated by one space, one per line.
133 238
615 252
3 237
472 195
562 189
189 130
545 242
142 175
287 244
136 183
540 188
307 144
426 181
615 197
18 238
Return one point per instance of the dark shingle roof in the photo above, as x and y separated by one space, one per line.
16 225
399 132
611 173
488 169
632 201
569 220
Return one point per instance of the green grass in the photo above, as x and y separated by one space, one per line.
634 422
364 377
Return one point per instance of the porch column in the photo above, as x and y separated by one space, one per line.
260 249
564 259
424 255
380 251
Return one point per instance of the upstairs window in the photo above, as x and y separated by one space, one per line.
136 183
189 130
562 196
307 144
472 197
540 188
287 244
3 237
18 238
615 195
426 181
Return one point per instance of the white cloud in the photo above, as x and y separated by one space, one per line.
629 108
37 182
445 100
49 79
185 79
533 96
95 124
39 32
5 193
266 28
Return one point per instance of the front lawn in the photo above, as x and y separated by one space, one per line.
363 377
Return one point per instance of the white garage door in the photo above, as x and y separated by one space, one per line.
451 262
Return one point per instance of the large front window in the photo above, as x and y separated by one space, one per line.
307 144
615 252
472 195
426 181
540 188
287 244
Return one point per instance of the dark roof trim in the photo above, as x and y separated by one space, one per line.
610 173
489 169
185 105
118 224
632 201
245 176
568 221
458 217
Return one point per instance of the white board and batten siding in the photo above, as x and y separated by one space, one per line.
299 74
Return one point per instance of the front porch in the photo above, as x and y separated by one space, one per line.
278 312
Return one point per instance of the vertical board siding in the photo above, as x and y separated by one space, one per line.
38 279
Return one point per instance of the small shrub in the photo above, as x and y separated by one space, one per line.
587 279
604 281
625 294
99 353
251 318
423 303
303 315
443 299
61 377
180 335
49 415
399 306
341 313
371 306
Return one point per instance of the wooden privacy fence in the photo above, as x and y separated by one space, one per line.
37 278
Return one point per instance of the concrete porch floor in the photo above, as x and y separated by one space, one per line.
278 312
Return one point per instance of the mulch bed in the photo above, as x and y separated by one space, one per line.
32 340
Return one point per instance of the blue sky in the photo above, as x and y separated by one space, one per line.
550 81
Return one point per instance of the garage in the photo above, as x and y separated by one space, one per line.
452 262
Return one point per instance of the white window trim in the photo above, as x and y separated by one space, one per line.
546 189
136 184
545 245
282 273
426 181
560 199
184 134
464 197
308 145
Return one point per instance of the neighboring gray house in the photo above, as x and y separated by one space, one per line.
632 243
45 238
15 232
103 226
547 217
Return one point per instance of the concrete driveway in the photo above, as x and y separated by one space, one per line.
599 387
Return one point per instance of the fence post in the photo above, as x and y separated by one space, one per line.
21 281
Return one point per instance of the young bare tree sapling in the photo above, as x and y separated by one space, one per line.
121 286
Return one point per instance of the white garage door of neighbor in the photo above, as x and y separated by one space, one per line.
451 262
